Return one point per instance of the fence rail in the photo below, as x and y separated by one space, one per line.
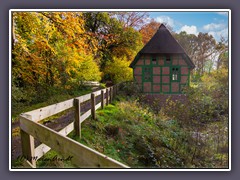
82 156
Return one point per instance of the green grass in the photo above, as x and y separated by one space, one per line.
137 137
18 108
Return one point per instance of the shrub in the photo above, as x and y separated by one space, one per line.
130 89
136 136
207 101
205 116
118 70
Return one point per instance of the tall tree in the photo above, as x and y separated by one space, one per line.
205 49
201 49
131 19
222 50
148 30
188 42
49 47
113 39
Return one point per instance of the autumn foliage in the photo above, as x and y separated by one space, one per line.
57 51
60 50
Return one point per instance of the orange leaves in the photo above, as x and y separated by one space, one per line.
46 41
149 30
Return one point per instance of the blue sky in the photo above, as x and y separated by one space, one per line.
214 23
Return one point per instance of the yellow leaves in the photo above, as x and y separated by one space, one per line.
119 70
51 42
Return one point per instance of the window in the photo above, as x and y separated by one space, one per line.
175 74
154 60
168 59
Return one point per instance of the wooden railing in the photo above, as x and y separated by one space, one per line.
82 156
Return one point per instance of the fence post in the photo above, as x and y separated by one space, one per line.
107 96
77 122
111 94
28 149
93 103
116 89
113 91
102 99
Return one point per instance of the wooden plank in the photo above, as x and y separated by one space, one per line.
84 98
104 90
28 116
102 99
65 131
97 93
28 146
91 83
45 112
82 156
27 164
98 106
85 115
77 123
43 148
93 103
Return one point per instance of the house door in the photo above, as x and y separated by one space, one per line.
147 79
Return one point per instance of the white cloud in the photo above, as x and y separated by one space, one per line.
216 30
165 19
223 13
218 34
213 26
189 29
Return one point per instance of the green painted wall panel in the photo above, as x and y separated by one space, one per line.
149 73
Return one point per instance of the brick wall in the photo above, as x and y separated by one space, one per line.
156 70
147 87
184 70
175 62
140 62
175 87
156 88
156 79
138 79
161 62
165 88
147 61
165 79
165 70
138 70
182 62
184 79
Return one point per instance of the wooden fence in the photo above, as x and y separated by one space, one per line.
82 156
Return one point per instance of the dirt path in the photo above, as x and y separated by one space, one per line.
56 124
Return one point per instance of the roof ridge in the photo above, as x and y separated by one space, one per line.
163 42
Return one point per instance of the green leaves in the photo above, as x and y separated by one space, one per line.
112 39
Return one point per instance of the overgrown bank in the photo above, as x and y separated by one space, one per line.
134 135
